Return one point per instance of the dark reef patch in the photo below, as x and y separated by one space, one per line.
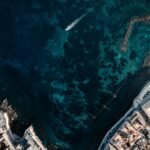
61 81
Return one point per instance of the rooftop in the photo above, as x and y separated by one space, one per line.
132 131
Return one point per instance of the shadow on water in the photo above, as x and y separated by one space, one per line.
119 105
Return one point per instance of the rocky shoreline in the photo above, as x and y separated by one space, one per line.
12 141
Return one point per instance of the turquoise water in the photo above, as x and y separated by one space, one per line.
63 80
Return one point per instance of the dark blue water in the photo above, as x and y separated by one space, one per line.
61 80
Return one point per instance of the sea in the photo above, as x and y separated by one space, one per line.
72 85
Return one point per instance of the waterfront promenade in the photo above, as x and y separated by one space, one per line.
138 102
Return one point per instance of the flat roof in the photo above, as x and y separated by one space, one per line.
112 147
146 108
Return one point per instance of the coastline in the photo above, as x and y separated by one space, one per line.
11 141
136 102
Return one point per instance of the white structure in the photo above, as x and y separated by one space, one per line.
29 141
34 142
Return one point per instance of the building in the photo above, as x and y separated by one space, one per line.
11 141
132 131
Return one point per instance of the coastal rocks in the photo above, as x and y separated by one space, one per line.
8 108
11 141
46 68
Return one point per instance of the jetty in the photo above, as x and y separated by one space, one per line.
124 44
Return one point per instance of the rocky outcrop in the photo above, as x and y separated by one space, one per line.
4 106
